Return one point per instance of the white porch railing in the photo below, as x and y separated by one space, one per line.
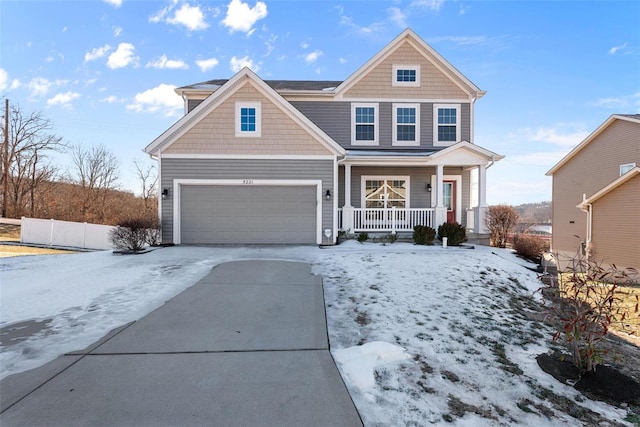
384 219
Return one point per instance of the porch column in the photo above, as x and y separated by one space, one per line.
347 209
480 225
441 210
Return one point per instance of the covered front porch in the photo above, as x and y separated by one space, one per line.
393 192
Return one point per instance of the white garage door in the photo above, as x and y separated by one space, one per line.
255 214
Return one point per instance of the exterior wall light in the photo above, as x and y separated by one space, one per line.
327 195
428 187
165 193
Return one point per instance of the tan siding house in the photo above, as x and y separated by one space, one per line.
596 197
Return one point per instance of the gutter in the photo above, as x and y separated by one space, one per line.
588 209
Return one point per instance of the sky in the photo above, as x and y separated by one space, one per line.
410 338
104 72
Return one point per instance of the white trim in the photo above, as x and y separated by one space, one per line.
414 100
610 187
257 106
376 124
434 190
178 183
159 196
394 76
394 113
250 156
436 107
334 209
626 167
365 178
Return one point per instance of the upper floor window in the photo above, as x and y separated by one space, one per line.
406 124
446 124
364 130
248 119
626 168
406 75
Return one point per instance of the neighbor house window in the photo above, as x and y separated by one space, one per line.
406 75
626 168
406 124
248 119
446 124
364 129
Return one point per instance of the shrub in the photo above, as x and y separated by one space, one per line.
586 306
501 220
423 235
530 247
134 234
454 232
363 237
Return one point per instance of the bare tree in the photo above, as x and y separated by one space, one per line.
148 177
96 173
24 159
501 220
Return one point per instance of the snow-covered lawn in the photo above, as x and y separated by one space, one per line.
421 335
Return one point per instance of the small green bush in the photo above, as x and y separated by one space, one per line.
423 235
530 247
363 237
454 232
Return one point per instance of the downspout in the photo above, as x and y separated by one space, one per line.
588 209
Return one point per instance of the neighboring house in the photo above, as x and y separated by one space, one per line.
596 196
255 161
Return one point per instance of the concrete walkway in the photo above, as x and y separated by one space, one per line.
245 346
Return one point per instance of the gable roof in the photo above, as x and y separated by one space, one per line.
223 93
615 184
278 85
427 51
634 118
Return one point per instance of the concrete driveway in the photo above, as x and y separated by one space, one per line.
245 346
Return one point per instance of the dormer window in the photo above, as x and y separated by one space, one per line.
248 119
406 75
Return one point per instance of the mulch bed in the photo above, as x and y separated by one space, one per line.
605 384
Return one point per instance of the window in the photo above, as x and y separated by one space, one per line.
365 124
406 124
248 119
406 75
385 192
626 168
446 122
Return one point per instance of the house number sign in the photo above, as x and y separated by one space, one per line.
247 181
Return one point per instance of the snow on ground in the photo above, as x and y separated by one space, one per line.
421 335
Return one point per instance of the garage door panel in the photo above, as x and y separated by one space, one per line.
248 214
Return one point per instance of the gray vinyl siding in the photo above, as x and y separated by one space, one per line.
243 169
334 118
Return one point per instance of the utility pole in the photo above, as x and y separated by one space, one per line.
5 159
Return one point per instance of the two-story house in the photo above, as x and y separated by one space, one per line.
596 196
271 161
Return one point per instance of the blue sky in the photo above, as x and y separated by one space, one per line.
104 71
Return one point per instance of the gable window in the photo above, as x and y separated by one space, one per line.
626 168
406 124
446 124
406 75
364 130
248 119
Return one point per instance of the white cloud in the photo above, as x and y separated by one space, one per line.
615 49
343 60
462 40
207 64
304 45
398 17
189 16
429 4
4 79
312 57
117 31
96 53
564 135
63 99
112 99
238 64
373 28
621 103
123 56
164 63
161 99
241 17
114 3
39 86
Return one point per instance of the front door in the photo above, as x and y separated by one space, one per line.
449 199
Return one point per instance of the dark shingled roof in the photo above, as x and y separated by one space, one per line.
277 85
631 116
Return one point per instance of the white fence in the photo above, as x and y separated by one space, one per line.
65 233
